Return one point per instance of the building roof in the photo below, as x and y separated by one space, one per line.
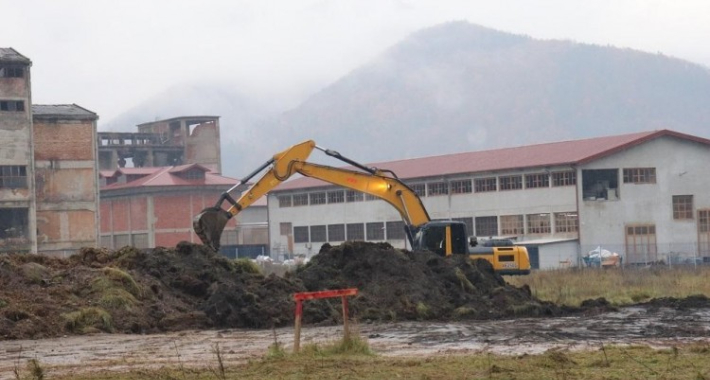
62 111
167 177
561 153
194 117
11 55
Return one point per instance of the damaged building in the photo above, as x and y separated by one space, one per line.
49 192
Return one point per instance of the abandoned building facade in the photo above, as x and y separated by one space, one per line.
642 195
49 192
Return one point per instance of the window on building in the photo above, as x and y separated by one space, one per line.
513 182
370 197
461 186
12 72
317 198
566 178
512 225
704 233
353 196
227 238
300 199
337 196
12 105
14 225
355 231
121 240
336 232
418 188
437 188
682 207
487 226
13 176
300 234
395 230
468 222
537 180
641 244
640 175
539 223
194 174
600 184
375 231
285 229
318 234
483 185
285 201
566 222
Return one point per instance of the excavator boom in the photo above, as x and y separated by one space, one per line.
210 223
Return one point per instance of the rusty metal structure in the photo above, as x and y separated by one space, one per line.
170 142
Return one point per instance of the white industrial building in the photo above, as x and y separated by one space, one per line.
644 195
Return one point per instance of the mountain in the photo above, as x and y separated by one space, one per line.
461 87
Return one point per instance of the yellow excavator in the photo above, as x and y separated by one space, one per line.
444 237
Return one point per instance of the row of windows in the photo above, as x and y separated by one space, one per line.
12 72
464 186
483 226
13 176
12 105
352 231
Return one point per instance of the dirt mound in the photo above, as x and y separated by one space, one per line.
396 284
190 287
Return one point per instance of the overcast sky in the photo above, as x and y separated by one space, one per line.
108 56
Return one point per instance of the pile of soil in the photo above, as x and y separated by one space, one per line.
190 287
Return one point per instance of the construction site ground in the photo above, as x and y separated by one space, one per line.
132 308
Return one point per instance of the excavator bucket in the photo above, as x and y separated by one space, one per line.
209 224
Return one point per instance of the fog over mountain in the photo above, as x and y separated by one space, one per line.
461 87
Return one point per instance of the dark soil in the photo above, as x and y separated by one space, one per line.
190 287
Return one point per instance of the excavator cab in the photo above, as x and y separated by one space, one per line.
445 238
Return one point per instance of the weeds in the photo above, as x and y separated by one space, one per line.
87 318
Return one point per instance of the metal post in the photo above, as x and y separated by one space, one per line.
297 333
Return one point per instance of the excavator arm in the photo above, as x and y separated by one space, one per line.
210 223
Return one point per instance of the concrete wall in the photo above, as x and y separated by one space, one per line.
66 179
681 169
16 150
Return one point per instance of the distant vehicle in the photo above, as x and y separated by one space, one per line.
603 258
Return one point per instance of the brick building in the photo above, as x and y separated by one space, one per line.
154 206
48 176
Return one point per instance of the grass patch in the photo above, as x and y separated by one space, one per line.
124 279
620 286
87 320
244 265
117 298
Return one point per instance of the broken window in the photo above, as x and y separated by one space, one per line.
12 72
682 207
13 176
14 226
12 105
600 184
485 184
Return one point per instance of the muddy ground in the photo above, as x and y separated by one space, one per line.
190 287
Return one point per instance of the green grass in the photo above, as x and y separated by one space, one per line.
618 362
619 286
88 319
